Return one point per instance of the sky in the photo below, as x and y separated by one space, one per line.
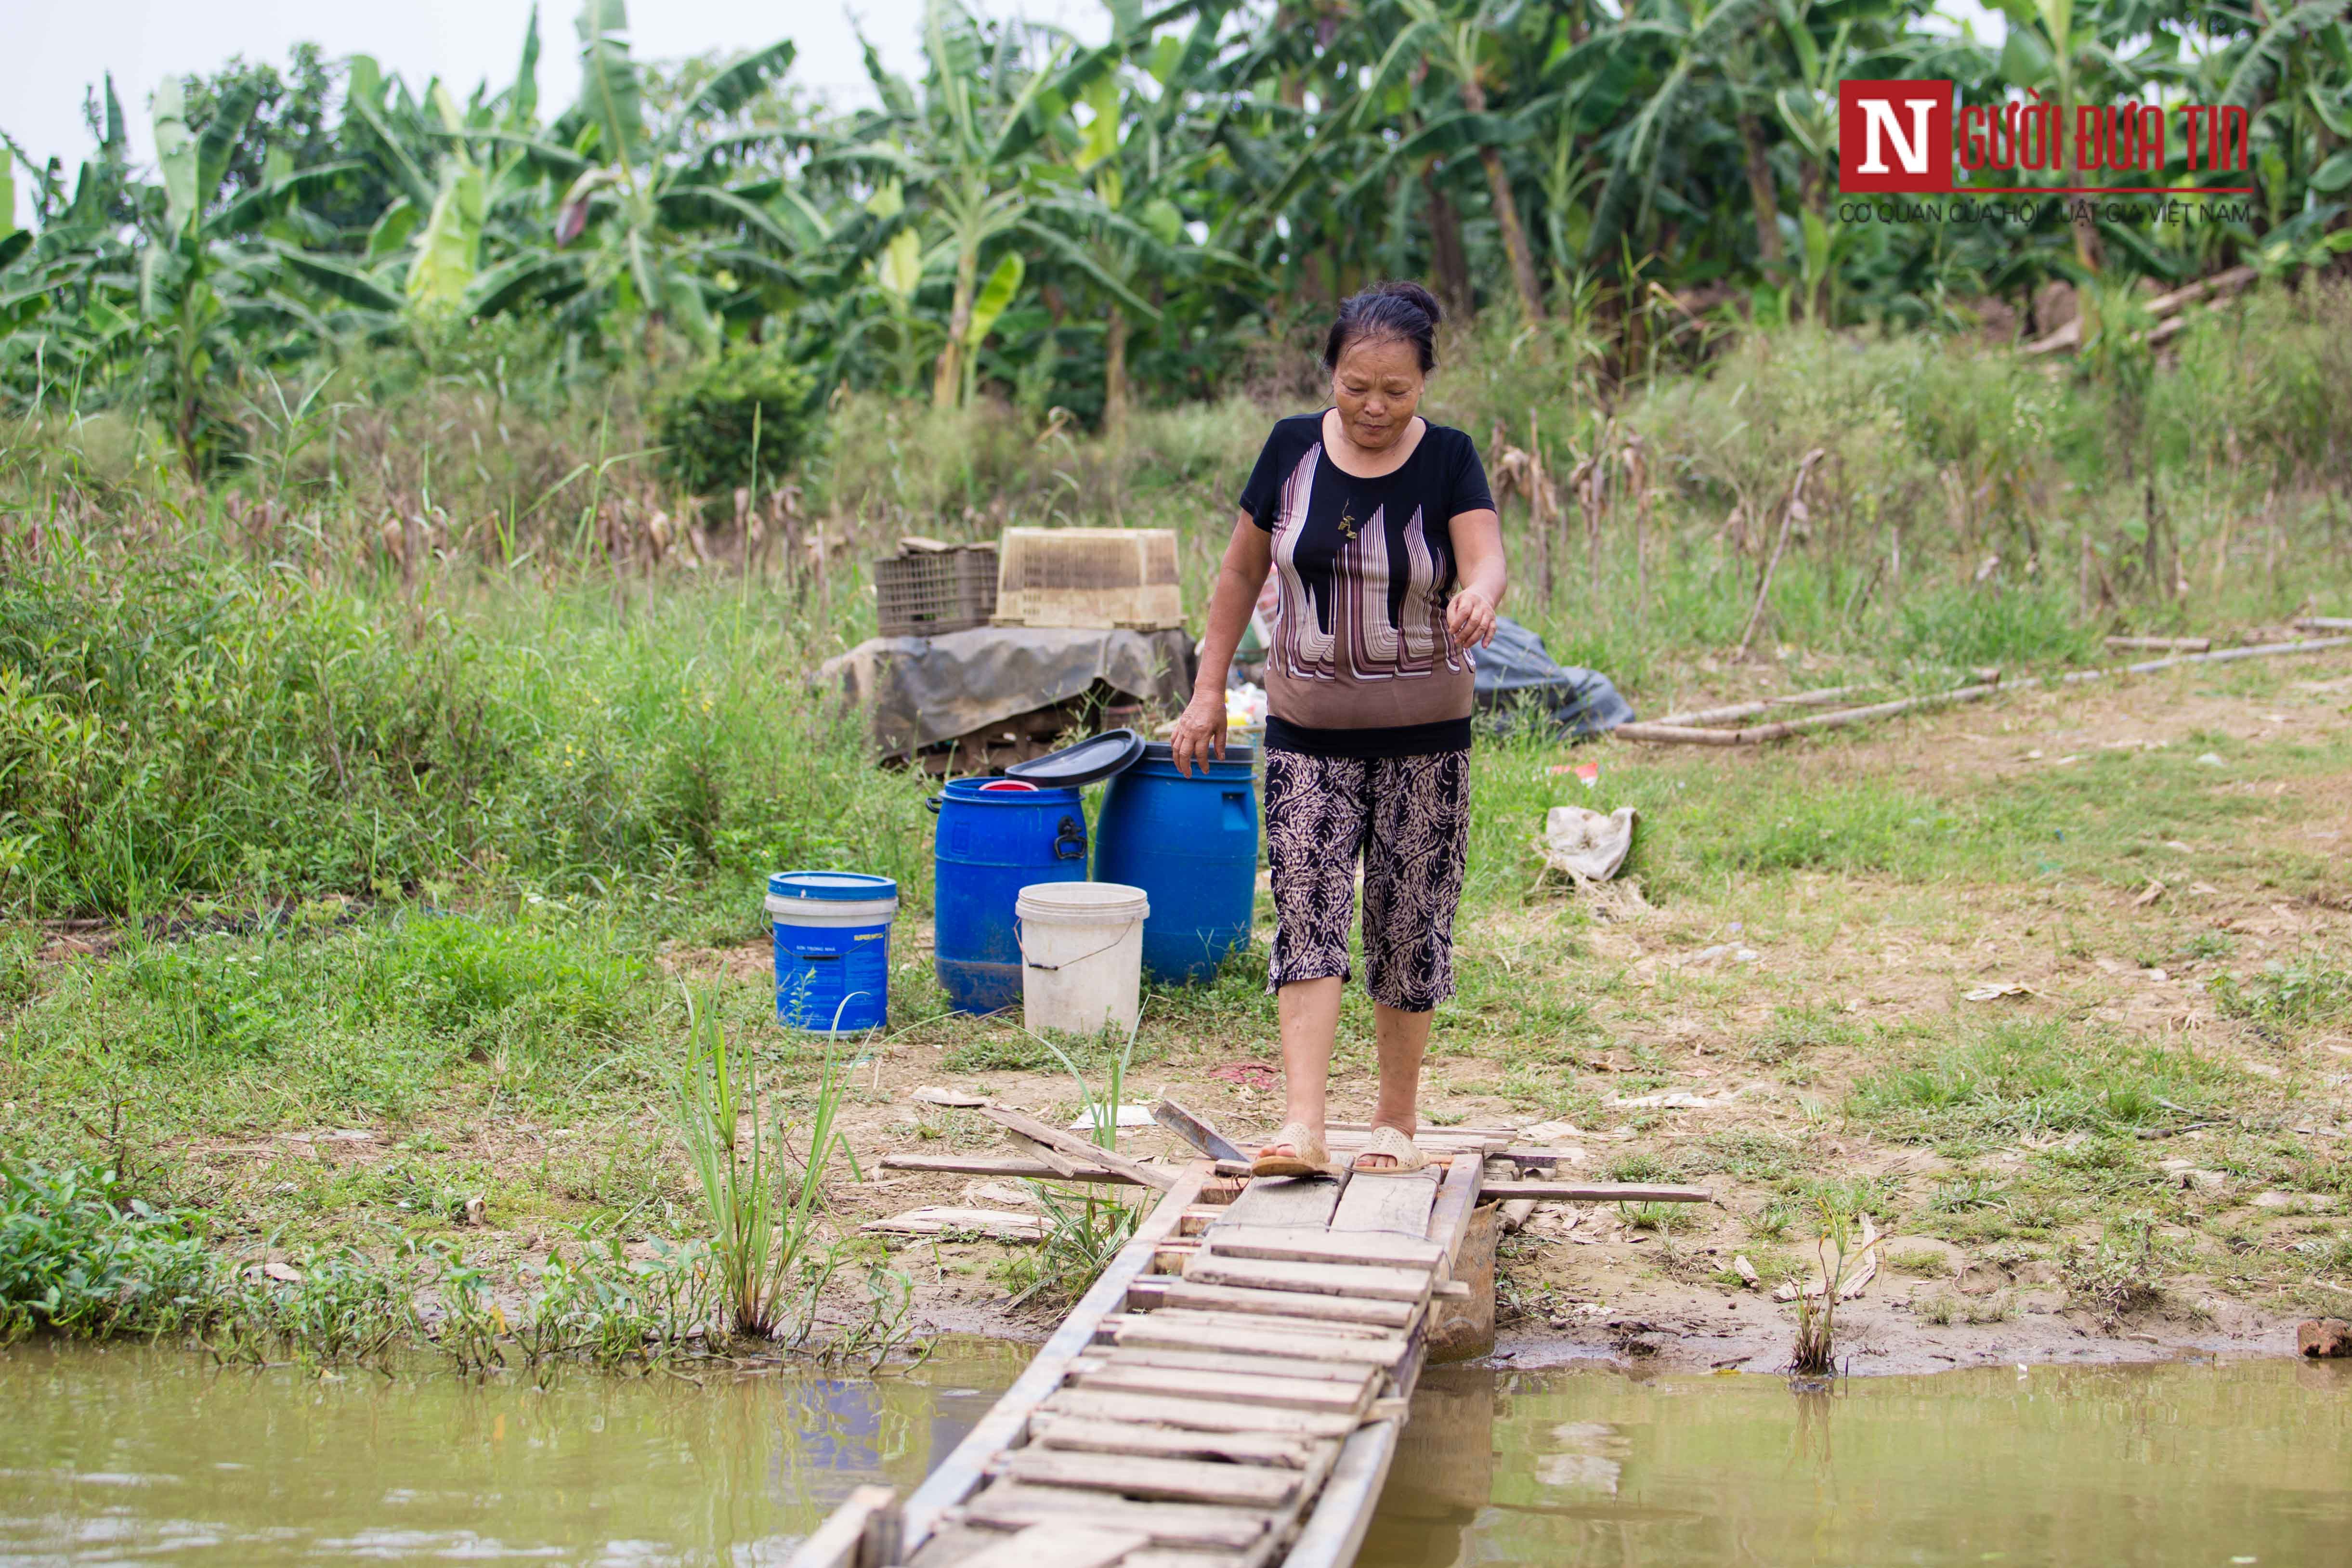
56 49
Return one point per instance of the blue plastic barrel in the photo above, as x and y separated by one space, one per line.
833 949
1191 844
991 844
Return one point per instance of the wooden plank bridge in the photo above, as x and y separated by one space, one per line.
1229 1392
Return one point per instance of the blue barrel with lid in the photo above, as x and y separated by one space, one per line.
1191 844
833 949
996 837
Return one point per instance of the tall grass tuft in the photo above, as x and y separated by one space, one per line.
1085 1225
761 1205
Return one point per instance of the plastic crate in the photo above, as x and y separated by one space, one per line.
924 593
1096 577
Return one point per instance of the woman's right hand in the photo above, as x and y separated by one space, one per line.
1200 732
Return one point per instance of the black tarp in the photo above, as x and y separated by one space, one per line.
1518 679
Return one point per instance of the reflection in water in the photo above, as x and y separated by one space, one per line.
131 1455
2186 1464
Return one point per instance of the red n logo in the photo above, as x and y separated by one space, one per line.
1895 136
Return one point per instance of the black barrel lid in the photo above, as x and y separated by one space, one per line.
1095 758
1161 752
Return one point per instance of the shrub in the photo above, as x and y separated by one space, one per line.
740 419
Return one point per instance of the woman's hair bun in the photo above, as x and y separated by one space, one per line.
1399 311
1407 290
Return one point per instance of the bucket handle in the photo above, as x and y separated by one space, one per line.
1070 839
1029 963
934 804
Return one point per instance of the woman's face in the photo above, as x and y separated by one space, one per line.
1376 385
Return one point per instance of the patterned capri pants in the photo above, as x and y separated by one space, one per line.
1409 819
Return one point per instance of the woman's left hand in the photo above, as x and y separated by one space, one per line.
1470 617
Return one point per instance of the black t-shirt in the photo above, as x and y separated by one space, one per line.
1362 664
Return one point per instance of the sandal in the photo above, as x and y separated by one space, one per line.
1388 1141
1307 1157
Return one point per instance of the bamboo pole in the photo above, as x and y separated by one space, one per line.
1671 734
1749 710
2169 644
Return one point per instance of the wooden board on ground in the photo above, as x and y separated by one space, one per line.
1285 1200
1321 1396
1382 1203
1000 1165
1356 1281
1079 1434
1189 1414
1174 1481
1001 1224
1271 1303
1009 1505
1058 1546
1411 1251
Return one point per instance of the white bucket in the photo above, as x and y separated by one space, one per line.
1081 955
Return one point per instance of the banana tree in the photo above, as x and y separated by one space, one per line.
207 296
968 155
647 222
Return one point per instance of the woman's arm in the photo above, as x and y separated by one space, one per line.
1479 562
1249 555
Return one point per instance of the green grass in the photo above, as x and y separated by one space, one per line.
2034 1080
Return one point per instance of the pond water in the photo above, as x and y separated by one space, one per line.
2183 1464
131 1454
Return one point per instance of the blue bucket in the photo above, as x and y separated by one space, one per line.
994 841
833 949
1191 844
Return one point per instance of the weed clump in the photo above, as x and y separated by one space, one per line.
2118 1275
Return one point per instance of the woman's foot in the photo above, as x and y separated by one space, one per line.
1389 1149
1296 1150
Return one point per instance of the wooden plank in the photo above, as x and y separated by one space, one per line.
1273 1303
1149 1332
1223 1322
954 1478
1046 1154
1286 1200
1192 1414
1153 1557
998 1225
1002 1165
1596 1191
1317 1395
1235 1362
1059 1546
1155 1479
1009 1505
1361 1281
863 1519
1196 1130
1414 1251
1398 1203
1080 1434
1076 1147
1449 1218
1335 1531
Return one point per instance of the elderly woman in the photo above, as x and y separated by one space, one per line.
1388 560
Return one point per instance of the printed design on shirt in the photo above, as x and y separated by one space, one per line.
1349 635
